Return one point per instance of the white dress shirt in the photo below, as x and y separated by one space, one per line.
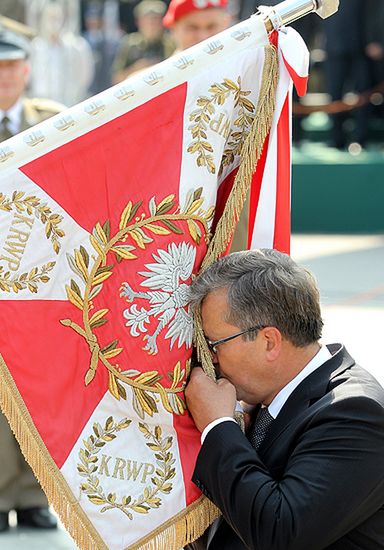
14 116
278 402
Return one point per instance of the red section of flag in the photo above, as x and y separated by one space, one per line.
221 200
189 445
137 154
55 395
300 82
274 38
134 157
256 182
283 182
222 196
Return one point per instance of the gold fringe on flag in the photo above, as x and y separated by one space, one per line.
47 473
192 522
182 529
250 156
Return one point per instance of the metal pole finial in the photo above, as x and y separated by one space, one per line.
326 8
290 10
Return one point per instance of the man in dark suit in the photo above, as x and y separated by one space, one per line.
309 474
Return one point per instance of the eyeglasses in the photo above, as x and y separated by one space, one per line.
213 345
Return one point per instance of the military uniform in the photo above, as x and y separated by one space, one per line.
139 50
135 47
34 110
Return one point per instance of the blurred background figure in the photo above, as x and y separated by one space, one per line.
126 16
191 21
346 67
374 50
14 9
62 60
309 28
146 47
70 8
19 111
19 489
103 46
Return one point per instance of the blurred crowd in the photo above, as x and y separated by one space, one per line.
80 48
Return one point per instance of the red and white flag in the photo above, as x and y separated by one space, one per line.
105 216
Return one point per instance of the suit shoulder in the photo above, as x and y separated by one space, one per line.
358 382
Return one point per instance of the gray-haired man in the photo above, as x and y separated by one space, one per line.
310 472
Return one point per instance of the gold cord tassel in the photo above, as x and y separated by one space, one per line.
250 156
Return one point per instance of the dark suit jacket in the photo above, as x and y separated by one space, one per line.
317 480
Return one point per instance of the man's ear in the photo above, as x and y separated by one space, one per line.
273 340
27 71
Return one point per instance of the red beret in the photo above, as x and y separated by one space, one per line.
179 8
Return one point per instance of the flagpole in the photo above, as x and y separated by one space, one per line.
290 10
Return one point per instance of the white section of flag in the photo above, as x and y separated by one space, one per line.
31 248
294 50
264 228
131 93
127 456
247 64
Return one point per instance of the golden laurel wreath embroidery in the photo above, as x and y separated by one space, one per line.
27 280
160 483
31 205
138 228
201 118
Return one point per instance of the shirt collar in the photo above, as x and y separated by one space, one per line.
14 114
319 359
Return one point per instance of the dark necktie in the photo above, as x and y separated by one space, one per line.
5 131
260 427
255 435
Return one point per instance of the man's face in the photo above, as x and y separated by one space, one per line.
241 362
13 79
199 25
150 26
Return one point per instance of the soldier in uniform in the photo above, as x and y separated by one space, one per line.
19 489
146 47
192 21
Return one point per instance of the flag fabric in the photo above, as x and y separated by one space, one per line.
106 214
269 218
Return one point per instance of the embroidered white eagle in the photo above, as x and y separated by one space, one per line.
167 297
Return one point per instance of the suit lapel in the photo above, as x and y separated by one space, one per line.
309 391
